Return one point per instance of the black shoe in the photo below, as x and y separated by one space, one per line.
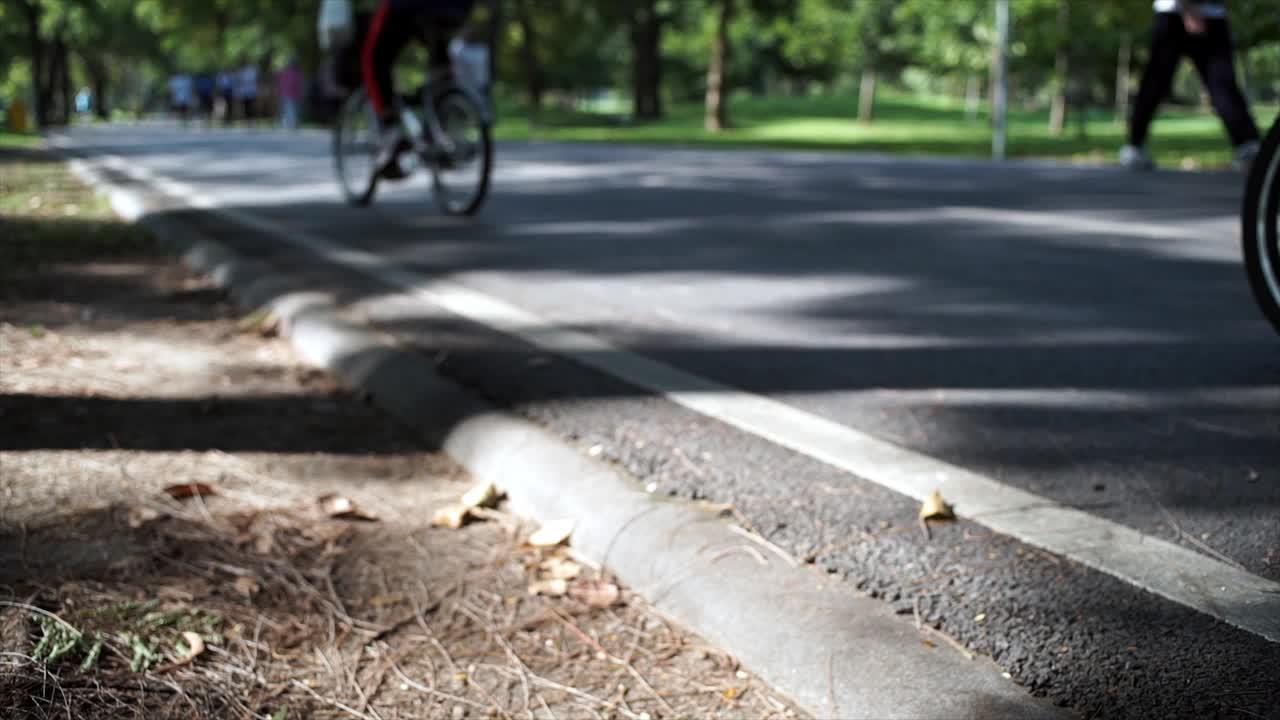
391 144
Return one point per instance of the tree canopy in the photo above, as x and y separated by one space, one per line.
1070 52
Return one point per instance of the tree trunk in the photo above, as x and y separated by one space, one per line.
66 97
717 117
1122 82
493 38
867 95
1061 70
37 47
99 79
646 60
534 82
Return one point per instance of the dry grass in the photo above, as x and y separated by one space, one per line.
121 376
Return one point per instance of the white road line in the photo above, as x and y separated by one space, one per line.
1213 587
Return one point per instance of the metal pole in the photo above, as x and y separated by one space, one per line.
1000 98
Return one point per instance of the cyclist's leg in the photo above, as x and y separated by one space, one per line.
390 30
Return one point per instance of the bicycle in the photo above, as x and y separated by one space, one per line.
1260 234
451 134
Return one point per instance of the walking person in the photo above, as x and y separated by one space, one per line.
1197 29
289 86
181 97
227 96
246 86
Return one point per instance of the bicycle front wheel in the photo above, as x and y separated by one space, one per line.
1259 226
460 172
355 149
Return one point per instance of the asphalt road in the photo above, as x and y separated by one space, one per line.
1082 334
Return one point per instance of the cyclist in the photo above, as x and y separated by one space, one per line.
394 24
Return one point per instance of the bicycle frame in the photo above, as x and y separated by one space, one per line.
439 144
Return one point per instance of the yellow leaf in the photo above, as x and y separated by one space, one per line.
717 509
484 495
553 533
550 588
344 508
595 593
558 568
731 694
451 516
935 508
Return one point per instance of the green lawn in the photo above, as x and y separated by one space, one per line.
18 140
904 125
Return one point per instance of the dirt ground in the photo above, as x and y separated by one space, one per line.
194 525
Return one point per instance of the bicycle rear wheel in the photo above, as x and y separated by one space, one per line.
355 149
1260 230
460 174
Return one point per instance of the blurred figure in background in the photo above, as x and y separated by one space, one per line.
290 87
247 92
470 55
227 96
180 96
1198 29
84 101
203 84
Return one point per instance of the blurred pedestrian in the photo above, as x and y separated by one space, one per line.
226 96
470 55
1199 30
290 89
203 83
180 96
247 92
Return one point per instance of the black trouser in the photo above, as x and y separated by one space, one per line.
1211 52
394 24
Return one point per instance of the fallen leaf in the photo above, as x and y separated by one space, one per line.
731 694
186 490
553 533
246 586
140 516
558 568
935 508
195 646
451 516
484 495
557 587
340 507
262 322
717 509
595 593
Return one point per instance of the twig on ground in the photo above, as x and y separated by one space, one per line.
613 659
40 611
753 537
434 692
330 701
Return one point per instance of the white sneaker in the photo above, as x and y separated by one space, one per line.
1245 153
1136 158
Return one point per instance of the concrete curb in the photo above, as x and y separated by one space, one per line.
838 655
